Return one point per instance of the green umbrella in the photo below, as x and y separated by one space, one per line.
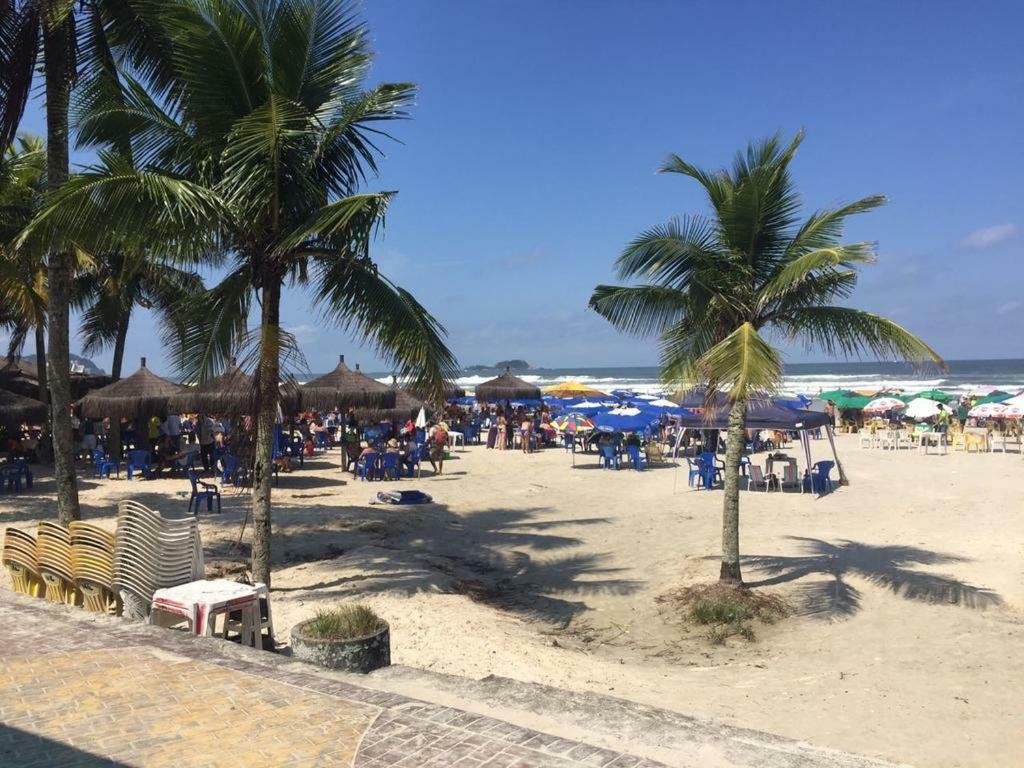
852 401
934 394
834 394
993 397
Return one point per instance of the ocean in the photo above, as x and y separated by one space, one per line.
963 377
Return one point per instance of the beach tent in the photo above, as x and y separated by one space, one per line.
16 410
345 388
506 387
141 394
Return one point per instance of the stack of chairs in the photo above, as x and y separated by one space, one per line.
19 557
152 552
92 562
53 554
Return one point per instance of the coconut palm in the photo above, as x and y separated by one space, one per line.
29 28
251 133
713 289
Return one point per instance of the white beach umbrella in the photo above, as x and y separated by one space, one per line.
883 404
1016 401
662 402
988 411
421 419
922 408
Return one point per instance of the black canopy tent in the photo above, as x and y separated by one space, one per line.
761 414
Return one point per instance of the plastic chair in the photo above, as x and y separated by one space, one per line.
820 479
104 465
232 471
636 458
387 467
53 554
708 474
694 473
789 478
20 559
321 441
92 563
208 492
366 467
610 459
140 460
756 477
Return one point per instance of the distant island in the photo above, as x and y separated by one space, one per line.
86 365
513 365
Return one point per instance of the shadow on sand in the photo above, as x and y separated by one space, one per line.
830 595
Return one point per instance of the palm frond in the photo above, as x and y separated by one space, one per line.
847 332
669 253
19 48
743 362
792 275
356 298
640 310
824 228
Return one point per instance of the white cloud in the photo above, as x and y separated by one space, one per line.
989 236
303 332
1008 307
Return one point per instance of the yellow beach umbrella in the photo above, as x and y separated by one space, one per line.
567 390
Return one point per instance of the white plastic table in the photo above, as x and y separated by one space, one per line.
201 601
457 438
927 439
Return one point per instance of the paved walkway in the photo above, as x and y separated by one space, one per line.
83 690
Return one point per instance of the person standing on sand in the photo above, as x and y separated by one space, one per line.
206 441
502 427
525 431
438 444
830 411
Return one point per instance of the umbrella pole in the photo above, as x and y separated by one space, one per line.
806 440
843 479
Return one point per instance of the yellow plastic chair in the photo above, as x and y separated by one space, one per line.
19 557
53 553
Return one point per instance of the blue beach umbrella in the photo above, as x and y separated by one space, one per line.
624 420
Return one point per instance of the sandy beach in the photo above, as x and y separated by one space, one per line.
907 586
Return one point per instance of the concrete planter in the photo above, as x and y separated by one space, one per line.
360 654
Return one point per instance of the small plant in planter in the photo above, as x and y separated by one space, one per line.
351 637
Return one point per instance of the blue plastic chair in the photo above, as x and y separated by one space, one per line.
104 465
820 479
202 492
609 457
708 474
231 470
294 451
140 460
387 466
636 457
20 463
366 466
472 433
321 441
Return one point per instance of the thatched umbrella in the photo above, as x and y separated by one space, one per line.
345 388
506 387
22 378
16 410
141 394
233 392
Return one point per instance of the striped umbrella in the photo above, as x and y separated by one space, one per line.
988 411
883 404
572 422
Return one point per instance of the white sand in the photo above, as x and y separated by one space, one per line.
530 569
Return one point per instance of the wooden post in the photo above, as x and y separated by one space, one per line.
843 479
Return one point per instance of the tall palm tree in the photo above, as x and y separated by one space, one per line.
713 287
252 133
23 270
28 28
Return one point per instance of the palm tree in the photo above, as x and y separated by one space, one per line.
254 152
713 287
26 29
22 270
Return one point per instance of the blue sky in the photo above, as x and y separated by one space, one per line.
530 159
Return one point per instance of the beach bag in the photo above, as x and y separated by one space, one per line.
404 497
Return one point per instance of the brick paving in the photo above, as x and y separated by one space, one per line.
82 690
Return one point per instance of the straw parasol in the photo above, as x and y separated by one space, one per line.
568 390
345 388
22 378
16 410
234 391
506 387
141 394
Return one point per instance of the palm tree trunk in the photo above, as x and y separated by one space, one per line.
115 374
737 438
268 395
56 50
40 331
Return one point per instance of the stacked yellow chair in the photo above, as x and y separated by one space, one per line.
19 557
53 554
92 562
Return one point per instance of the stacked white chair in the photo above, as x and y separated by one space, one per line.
152 552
